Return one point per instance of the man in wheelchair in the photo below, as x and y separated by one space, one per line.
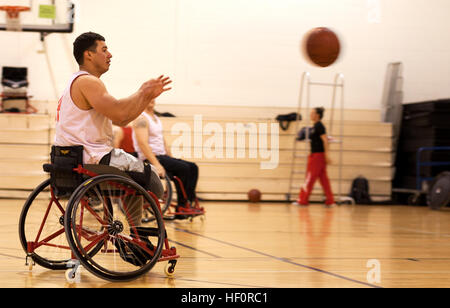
149 143
86 114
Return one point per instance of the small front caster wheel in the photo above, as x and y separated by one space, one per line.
169 270
71 276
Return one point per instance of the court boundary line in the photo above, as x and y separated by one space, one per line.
195 249
280 259
11 257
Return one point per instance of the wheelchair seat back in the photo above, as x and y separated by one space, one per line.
63 179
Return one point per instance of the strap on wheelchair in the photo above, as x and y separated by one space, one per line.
49 168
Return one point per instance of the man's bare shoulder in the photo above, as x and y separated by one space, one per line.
88 82
84 89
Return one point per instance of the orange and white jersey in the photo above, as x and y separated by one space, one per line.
83 127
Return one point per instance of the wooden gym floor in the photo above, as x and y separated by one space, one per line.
242 245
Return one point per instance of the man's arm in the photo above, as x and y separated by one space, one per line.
140 127
120 111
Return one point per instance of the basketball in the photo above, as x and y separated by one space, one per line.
254 196
321 46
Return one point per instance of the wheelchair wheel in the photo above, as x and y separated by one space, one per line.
41 229
164 202
106 211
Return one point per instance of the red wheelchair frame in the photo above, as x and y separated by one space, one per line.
188 210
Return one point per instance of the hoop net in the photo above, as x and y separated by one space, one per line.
13 16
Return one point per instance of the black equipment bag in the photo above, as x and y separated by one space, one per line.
360 191
286 119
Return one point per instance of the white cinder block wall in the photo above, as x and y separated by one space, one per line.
247 52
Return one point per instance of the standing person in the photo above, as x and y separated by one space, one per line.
150 144
317 162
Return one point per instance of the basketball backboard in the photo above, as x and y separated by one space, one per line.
44 16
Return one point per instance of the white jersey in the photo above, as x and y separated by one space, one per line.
155 137
83 127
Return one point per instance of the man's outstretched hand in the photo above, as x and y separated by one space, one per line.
155 87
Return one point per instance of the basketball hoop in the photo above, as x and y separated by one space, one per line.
13 16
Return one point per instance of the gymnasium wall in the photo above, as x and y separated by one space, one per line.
247 52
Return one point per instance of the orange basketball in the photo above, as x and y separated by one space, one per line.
254 196
321 46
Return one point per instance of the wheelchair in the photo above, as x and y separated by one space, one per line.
89 215
171 209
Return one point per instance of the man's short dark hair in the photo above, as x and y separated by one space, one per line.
320 111
86 41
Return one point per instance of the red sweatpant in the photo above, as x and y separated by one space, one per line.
317 168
